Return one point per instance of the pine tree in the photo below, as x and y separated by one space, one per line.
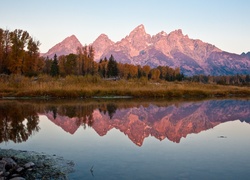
112 67
54 67
248 78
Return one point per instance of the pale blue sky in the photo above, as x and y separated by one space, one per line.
223 23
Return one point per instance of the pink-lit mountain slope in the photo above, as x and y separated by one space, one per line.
193 56
67 46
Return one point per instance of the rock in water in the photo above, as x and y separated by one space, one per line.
29 165
2 167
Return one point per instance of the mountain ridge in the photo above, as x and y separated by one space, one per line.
175 49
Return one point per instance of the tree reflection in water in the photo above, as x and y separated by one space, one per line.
138 120
17 121
82 113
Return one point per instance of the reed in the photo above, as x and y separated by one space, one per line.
94 86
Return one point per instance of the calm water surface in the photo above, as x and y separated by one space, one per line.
135 140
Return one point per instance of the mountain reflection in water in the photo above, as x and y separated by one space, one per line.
137 120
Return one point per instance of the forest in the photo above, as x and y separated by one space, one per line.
19 54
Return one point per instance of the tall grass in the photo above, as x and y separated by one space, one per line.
90 86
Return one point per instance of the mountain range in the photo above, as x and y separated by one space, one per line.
193 56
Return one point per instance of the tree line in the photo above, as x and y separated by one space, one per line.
19 54
83 63
222 80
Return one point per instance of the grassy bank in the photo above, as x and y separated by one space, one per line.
87 87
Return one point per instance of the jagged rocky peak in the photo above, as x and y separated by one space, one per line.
139 29
246 54
71 38
101 44
67 46
139 32
102 40
176 34
70 41
136 41
159 36
103 37
163 33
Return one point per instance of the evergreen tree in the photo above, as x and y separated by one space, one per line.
54 67
140 73
47 65
248 78
112 67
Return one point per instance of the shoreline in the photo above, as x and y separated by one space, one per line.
33 165
162 95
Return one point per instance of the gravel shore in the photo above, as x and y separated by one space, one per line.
30 165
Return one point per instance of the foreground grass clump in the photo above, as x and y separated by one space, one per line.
94 86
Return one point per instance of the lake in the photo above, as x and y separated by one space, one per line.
135 139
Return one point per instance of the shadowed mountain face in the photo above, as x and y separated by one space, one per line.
193 56
172 122
136 120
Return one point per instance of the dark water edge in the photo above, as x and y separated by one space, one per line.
128 98
178 96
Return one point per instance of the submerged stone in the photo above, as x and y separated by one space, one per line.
2 167
20 169
31 165
17 178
